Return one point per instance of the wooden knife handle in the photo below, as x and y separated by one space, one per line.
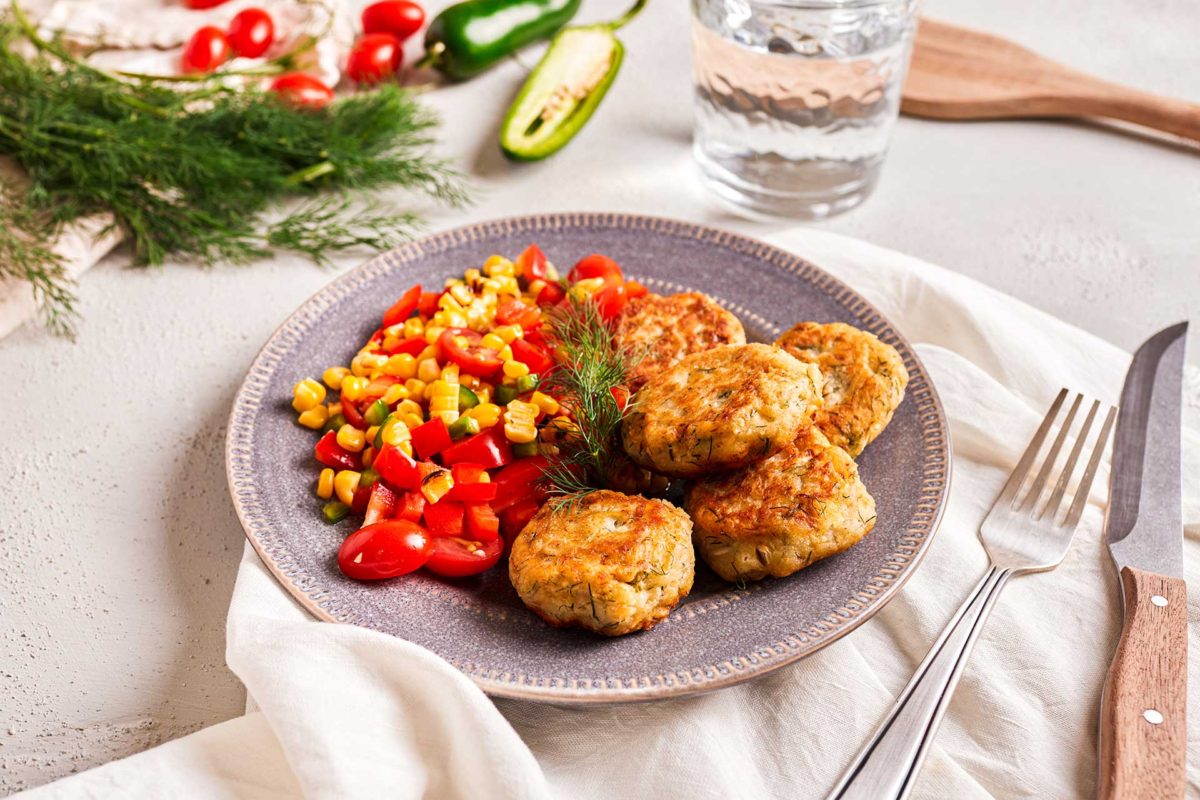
1141 108
1143 720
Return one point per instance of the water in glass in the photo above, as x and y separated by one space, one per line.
795 101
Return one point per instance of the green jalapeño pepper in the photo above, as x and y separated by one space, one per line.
564 89
467 38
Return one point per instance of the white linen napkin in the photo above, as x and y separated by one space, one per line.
347 712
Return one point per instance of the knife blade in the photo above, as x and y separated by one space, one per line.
1143 710
1144 525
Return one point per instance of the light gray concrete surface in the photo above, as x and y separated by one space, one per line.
118 545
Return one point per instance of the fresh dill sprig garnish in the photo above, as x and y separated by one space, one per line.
591 368
200 171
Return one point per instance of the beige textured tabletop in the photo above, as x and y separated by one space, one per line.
118 544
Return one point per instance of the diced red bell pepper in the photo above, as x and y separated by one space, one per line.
524 479
353 415
621 395
377 336
634 290
362 497
532 356
411 506
431 438
427 306
444 518
513 520
381 505
398 468
514 312
488 449
551 294
332 454
482 522
403 308
410 346
470 485
531 264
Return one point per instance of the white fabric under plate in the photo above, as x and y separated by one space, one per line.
347 712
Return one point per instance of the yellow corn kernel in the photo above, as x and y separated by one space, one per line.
325 484
415 386
483 392
371 431
519 419
536 286
450 374
472 276
545 402
306 394
443 400
394 431
436 484
493 341
368 456
414 328
408 407
353 387
506 353
486 414
334 409
333 377
406 447
509 285
519 434
413 421
394 394
428 370
515 369
497 266
314 418
402 366
462 294
351 438
509 332
469 381
432 333
345 484
428 393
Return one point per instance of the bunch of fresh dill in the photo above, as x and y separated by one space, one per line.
590 377
202 172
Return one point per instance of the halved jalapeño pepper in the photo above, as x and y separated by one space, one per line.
564 89
469 37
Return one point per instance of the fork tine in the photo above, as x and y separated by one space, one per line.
1060 488
1039 483
1085 483
1018 474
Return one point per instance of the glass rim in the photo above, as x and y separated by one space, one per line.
831 4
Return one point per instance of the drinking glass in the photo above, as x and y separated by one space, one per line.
796 99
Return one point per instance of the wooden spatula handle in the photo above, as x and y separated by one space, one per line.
1142 108
1143 722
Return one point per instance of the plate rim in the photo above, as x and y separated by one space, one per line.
861 603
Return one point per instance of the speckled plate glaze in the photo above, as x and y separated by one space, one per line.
721 635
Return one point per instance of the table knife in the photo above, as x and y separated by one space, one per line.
1143 713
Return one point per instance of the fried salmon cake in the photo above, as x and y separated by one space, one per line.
777 516
659 331
720 410
864 380
608 562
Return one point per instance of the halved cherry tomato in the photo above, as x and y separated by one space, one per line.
462 346
381 505
206 50
596 266
621 395
410 346
513 520
353 415
454 557
373 57
403 308
524 479
444 518
333 455
411 506
302 90
431 438
481 522
428 304
400 18
251 32
532 264
551 294
514 312
610 300
384 550
532 356
488 449
397 468
634 290
200 5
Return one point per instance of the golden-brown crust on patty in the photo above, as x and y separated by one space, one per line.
660 331
720 410
864 380
608 562
777 516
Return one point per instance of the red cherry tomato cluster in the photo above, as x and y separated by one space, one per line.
379 52
249 35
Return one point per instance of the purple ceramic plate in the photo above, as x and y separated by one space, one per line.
721 634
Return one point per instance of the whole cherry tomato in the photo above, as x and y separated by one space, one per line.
206 50
200 5
384 550
375 56
251 32
302 90
400 18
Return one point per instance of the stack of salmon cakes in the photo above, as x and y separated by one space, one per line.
765 438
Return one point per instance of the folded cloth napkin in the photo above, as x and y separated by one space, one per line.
347 712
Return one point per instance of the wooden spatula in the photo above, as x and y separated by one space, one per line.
958 73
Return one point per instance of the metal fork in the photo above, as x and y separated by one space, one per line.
1022 533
